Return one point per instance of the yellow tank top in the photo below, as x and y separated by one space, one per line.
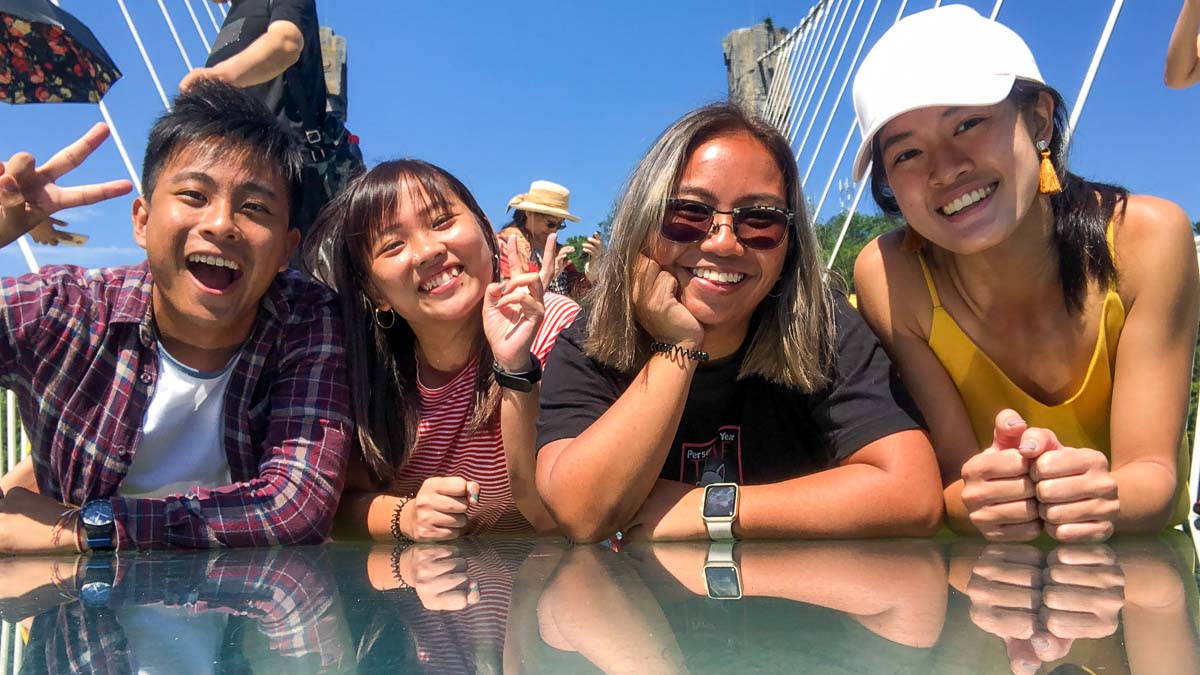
1080 421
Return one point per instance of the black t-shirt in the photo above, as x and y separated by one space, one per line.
743 431
246 22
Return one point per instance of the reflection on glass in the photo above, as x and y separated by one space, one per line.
525 606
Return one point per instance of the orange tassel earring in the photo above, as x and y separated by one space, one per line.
1047 178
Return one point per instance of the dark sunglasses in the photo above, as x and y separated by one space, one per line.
758 227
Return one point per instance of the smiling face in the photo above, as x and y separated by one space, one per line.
429 262
216 233
721 281
965 177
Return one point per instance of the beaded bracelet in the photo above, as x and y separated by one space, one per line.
684 352
397 533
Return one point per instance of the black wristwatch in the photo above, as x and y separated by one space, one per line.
523 381
97 519
98 578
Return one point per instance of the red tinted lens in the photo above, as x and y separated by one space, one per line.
686 222
760 228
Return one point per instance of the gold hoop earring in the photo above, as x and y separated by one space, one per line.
1047 177
380 323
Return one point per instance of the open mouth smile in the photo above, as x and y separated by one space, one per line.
213 272
716 277
967 200
442 281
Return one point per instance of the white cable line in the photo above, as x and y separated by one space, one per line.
782 62
112 128
175 34
800 81
837 100
145 57
27 251
6 641
861 186
849 216
207 8
804 97
996 9
196 22
1101 47
789 62
224 12
828 78
10 427
797 61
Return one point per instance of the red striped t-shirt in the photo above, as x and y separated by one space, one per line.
445 447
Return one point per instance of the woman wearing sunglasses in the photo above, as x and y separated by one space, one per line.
444 359
538 215
718 388
1045 323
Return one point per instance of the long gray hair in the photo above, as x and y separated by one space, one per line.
793 335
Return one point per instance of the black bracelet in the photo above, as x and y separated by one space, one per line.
668 348
397 534
396 553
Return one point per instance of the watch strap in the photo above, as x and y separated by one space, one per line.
522 381
719 530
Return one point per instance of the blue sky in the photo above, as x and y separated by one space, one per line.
505 93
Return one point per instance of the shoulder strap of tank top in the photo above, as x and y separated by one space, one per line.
933 294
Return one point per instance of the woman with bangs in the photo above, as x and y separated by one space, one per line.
717 388
444 359
1044 323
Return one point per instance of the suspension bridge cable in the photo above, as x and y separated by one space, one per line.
782 61
196 22
207 8
175 34
137 38
806 94
797 83
846 141
837 100
796 60
996 9
829 78
788 62
1088 79
862 185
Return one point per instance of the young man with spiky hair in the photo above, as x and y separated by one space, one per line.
197 399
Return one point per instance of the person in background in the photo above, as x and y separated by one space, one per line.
539 214
1183 52
1044 323
445 359
197 399
718 387
272 49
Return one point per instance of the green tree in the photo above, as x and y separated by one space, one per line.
863 228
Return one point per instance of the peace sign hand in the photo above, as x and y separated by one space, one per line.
513 311
28 195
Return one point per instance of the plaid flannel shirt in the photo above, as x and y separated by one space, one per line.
79 349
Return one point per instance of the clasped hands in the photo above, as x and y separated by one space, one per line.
1027 482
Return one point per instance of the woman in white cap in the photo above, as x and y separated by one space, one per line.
538 215
1045 323
718 388
444 359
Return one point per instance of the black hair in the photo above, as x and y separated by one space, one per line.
1081 211
214 117
380 360
518 221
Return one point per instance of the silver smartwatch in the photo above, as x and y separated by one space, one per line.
720 510
722 578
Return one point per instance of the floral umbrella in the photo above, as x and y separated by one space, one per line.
49 56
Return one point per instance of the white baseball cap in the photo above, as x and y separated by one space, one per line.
949 56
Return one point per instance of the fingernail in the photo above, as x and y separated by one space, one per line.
1013 421
9 186
1040 642
474 586
1028 444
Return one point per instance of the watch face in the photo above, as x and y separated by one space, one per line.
97 514
723 582
719 501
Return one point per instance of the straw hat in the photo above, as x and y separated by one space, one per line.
544 197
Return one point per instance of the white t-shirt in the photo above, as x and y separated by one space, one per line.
182 442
